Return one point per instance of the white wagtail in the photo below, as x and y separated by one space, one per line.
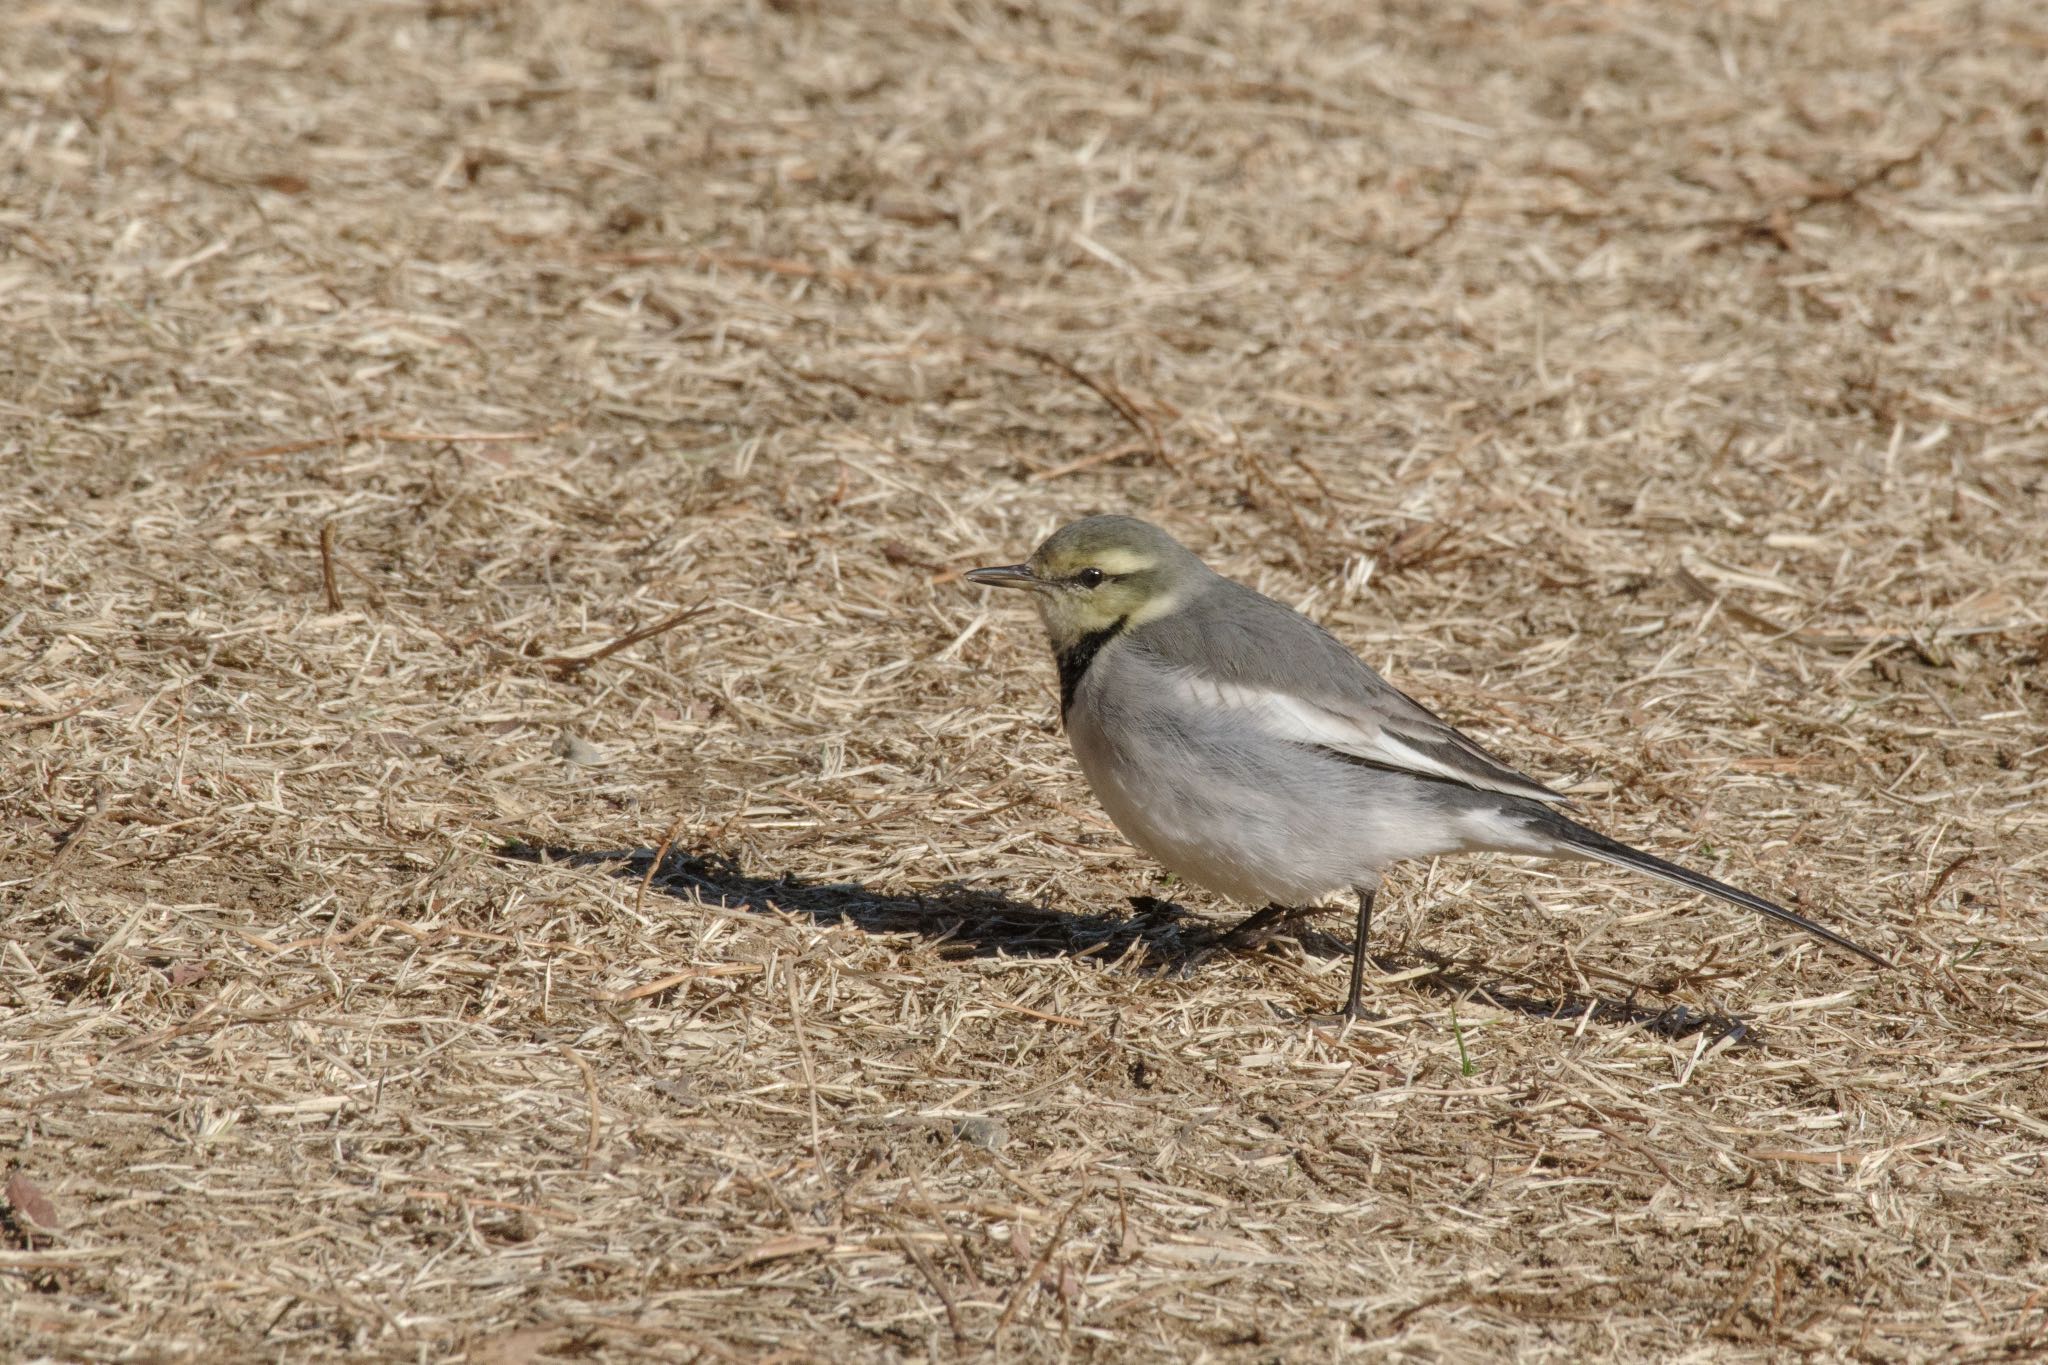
1243 746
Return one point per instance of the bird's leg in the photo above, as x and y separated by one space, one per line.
1354 1006
1352 1009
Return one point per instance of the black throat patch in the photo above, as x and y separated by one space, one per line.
1074 660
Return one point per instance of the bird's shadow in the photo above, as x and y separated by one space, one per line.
1153 936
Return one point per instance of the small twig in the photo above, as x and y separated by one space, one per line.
13 723
1329 494
354 434
1838 1158
1741 615
1875 175
1735 1305
1445 228
1942 880
1039 1014
803 1052
1109 393
931 1274
58 1258
774 1249
568 666
674 979
423 936
328 584
203 1021
779 265
590 1094
1052 1245
1254 470
1776 223
1109 456
1638 1148
654 866
471 1201
73 839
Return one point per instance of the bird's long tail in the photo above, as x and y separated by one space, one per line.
1590 844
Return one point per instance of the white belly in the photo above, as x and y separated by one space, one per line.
1254 817
1212 829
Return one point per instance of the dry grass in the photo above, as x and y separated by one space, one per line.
1662 392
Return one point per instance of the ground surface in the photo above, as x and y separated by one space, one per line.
1661 392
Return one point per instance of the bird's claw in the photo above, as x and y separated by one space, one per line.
1344 1018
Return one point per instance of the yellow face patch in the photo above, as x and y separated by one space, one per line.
1161 604
1109 574
1116 560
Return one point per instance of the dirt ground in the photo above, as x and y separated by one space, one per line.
1659 391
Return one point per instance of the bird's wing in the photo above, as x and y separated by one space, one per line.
1286 675
1380 735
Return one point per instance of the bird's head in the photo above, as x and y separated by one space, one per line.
1100 574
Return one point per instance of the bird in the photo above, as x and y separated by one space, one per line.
1251 752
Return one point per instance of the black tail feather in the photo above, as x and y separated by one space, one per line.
1598 846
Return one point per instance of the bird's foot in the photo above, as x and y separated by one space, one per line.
1247 936
1343 1019
1202 954
1256 932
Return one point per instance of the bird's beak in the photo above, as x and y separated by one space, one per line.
1005 576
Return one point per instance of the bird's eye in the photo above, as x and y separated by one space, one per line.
1089 578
